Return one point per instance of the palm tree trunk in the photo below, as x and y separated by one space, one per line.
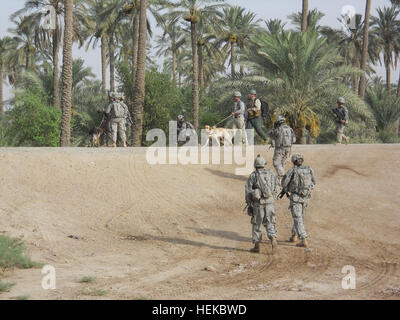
180 80
398 87
201 66
195 86
1 90
174 68
140 82
304 16
364 56
388 75
56 76
233 65
112 64
66 100
135 41
103 66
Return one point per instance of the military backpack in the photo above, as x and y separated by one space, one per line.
301 181
118 110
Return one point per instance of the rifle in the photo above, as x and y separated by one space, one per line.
249 209
340 115
284 192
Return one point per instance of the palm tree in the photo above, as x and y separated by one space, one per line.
4 47
385 30
275 26
170 43
235 28
66 99
313 20
42 37
364 55
193 11
24 39
140 80
304 16
349 42
386 110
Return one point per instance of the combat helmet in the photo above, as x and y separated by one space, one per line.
181 117
299 158
341 100
237 94
260 162
253 92
280 120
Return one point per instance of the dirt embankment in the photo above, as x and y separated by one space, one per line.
150 231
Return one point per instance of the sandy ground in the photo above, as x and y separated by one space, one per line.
150 232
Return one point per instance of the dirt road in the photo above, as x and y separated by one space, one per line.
179 232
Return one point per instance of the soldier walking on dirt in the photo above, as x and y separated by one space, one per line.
185 130
117 113
254 118
261 190
298 183
341 117
239 116
283 138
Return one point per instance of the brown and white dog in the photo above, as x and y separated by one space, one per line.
221 135
95 135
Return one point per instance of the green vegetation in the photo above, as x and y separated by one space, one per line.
87 279
5 286
209 49
13 254
94 292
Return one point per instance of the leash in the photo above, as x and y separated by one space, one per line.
222 120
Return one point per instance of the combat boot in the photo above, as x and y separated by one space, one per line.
114 145
294 238
125 145
347 139
303 243
256 248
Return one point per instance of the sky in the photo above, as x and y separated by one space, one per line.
265 9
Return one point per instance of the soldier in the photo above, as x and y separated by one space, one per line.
283 137
239 115
299 182
129 119
185 129
341 117
254 118
261 190
117 112
106 122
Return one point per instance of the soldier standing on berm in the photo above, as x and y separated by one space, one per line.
283 137
299 183
341 117
261 191
117 112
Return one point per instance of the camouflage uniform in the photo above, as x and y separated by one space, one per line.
299 199
340 126
117 113
260 192
282 149
239 118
